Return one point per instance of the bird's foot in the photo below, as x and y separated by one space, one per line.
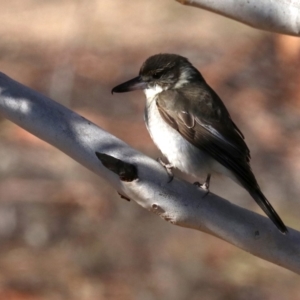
204 186
168 168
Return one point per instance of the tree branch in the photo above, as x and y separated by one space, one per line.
138 177
271 15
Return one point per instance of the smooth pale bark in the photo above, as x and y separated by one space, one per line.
271 15
178 202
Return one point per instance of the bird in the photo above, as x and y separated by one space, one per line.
191 126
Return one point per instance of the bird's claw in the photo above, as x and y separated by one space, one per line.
168 168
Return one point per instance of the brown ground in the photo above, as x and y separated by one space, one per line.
64 233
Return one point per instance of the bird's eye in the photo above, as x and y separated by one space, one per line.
156 75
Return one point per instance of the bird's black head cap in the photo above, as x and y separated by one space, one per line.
168 69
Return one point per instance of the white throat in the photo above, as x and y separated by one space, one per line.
152 92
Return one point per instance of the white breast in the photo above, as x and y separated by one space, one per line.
179 152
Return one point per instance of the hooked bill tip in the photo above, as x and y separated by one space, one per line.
131 85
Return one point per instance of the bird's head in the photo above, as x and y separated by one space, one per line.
161 72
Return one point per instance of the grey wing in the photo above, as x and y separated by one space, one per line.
209 127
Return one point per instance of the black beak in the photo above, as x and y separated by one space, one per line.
134 84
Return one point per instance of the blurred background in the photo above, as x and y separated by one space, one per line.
65 233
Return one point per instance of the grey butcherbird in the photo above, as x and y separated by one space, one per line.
192 127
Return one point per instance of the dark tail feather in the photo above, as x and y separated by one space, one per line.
265 205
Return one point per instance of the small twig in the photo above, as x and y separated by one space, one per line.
127 172
124 197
